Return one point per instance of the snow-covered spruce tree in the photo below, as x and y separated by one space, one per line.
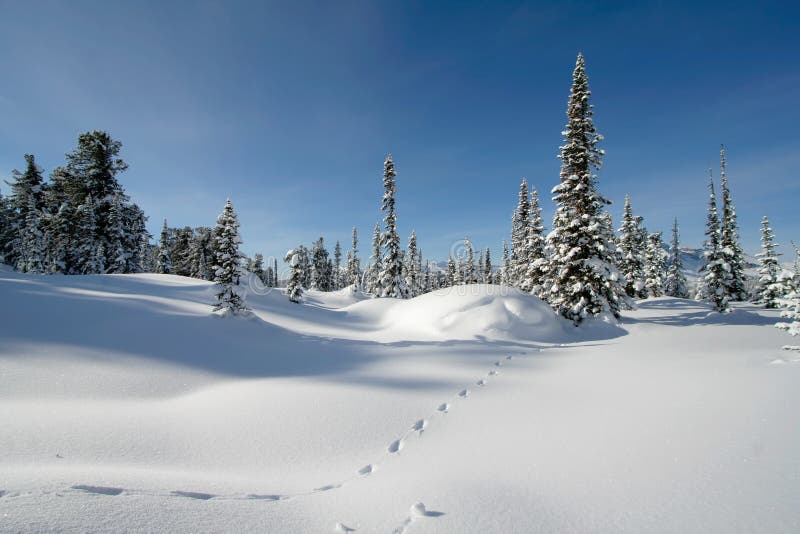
353 265
712 286
520 227
452 277
85 246
505 267
117 253
320 271
413 274
533 279
392 283
769 287
487 267
337 267
655 265
164 259
294 285
26 193
256 266
581 280
31 254
675 283
729 240
630 252
227 263
372 277
427 282
469 276
60 245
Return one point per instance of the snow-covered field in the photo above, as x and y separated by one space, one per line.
125 405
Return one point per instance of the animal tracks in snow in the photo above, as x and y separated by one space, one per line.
367 469
395 446
417 511
420 426
100 490
194 495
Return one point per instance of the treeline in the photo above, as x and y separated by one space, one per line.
80 221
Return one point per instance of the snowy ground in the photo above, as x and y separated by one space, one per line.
126 406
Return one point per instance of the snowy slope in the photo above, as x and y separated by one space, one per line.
125 405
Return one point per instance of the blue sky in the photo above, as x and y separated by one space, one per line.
289 108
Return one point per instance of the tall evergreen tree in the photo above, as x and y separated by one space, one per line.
117 253
520 229
164 259
227 266
354 265
452 277
675 283
373 278
713 282
534 277
392 283
337 267
582 280
487 267
630 252
294 285
655 265
31 257
320 271
770 286
469 276
86 246
729 240
413 274
505 268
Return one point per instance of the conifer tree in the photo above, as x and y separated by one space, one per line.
257 267
729 241
469 264
31 257
353 265
630 252
769 287
582 280
413 275
675 283
487 267
373 279
117 253
337 267
164 259
227 263
85 248
61 229
655 265
505 268
392 283
294 285
320 271
534 277
520 228
712 286
452 277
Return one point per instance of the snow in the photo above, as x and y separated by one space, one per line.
126 405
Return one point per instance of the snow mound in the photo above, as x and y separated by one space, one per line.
479 311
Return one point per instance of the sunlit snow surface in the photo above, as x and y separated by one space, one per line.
125 405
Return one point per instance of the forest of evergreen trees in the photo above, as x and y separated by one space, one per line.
81 221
